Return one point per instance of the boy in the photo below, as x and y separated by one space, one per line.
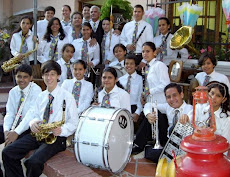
48 108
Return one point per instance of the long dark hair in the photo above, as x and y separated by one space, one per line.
24 17
223 88
49 31
114 73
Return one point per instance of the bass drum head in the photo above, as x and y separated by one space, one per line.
120 70
120 141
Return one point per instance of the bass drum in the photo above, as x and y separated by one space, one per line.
104 138
120 70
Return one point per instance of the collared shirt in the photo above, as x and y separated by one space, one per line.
37 111
41 28
136 89
44 49
63 23
119 98
115 62
16 42
96 23
93 51
63 76
13 102
86 93
171 54
109 49
68 31
158 79
84 20
127 34
214 76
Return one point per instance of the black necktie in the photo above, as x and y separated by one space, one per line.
48 110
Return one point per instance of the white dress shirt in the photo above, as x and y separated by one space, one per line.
115 62
13 102
171 54
41 28
64 25
86 93
158 79
136 89
93 51
109 49
16 42
127 34
92 23
168 110
44 49
63 76
69 30
119 98
214 76
37 111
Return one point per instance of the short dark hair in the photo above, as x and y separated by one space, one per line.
87 24
150 44
106 18
24 68
67 7
139 6
164 18
67 45
131 57
121 46
173 85
50 65
80 62
206 55
86 5
76 13
49 8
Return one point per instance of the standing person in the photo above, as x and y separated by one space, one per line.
42 24
86 13
66 66
112 94
163 51
66 11
81 89
50 48
108 42
208 62
22 40
47 108
119 52
136 33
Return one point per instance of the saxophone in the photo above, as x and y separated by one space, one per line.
45 129
9 65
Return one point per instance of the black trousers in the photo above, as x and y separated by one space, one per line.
13 153
144 133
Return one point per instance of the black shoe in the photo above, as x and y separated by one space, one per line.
136 150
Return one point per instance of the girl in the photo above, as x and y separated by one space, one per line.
119 51
207 61
81 89
66 11
22 40
156 74
50 48
85 52
108 42
164 52
66 67
113 95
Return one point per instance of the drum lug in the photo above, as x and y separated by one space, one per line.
106 146
85 142
94 144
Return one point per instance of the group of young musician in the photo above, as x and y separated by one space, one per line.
67 50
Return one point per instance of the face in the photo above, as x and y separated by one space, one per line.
77 20
217 98
51 79
55 26
25 25
119 53
68 53
147 53
106 25
174 98
108 81
78 71
23 79
86 12
138 14
49 14
94 14
86 32
208 66
130 66
66 12
163 27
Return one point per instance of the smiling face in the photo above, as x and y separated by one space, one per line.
49 14
106 26
23 79
119 53
68 53
138 14
208 66
66 12
25 25
51 79
163 27
55 27
78 71
77 20
86 12
130 66
174 98
147 53
94 14
108 81
86 32
217 98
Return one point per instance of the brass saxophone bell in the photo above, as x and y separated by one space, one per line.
50 139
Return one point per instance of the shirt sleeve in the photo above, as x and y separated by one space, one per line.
139 92
123 38
96 55
13 44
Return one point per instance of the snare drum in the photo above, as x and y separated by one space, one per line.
120 70
104 138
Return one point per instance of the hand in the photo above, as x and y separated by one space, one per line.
57 131
92 42
20 56
140 66
11 137
135 117
131 47
158 50
143 101
151 117
95 103
35 39
184 119
35 127
117 32
6 134
90 64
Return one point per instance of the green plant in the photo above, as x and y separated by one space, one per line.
119 6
